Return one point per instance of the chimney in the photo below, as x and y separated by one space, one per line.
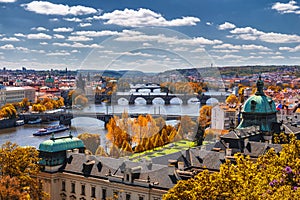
228 152
76 150
181 166
69 153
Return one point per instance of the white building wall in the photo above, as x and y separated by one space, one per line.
217 117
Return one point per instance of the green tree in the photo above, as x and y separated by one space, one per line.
21 163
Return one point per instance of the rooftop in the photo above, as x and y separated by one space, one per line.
61 144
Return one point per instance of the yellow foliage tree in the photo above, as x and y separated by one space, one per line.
232 99
21 163
205 116
272 176
91 141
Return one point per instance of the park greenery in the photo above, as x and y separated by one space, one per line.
19 170
271 176
127 136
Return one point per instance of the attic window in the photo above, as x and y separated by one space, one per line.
253 105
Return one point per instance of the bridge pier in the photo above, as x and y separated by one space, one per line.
149 101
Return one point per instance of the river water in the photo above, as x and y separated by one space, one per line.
22 135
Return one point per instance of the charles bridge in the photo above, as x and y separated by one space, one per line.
65 117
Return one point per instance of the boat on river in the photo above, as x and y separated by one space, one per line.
19 122
50 129
36 121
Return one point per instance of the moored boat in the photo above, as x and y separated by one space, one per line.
20 122
50 130
36 121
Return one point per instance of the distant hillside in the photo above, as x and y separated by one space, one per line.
116 74
239 71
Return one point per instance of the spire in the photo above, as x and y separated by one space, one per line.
260 87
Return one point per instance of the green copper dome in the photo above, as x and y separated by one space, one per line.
259 110
61 144
259 104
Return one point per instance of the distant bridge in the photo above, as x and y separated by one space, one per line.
66 117
149 97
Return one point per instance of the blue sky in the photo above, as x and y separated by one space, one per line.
148 35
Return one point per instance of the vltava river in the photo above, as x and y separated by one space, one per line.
22 135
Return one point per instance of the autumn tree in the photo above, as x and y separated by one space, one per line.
10 189
232 100
9 111
101 152
187 125
271 176
91 141
39 108
21 163
81 100
205 116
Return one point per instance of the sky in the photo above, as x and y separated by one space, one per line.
145 35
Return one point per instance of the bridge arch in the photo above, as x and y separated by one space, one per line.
158 100
212 101
176 100
123 101
140 100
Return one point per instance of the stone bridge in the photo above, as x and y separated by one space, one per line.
66 117
149 97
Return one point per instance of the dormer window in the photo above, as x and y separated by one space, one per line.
253 105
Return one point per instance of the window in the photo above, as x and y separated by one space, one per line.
63 185
127 197
72 187
103 194
82 189
93 192
141 198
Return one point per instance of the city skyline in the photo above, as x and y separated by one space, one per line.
148 36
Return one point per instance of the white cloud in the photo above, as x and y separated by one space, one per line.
48 8
7 1
62 53
58 36
43 43
74 19
7 47
225 50
39 29
290 7
103 33
277 57
22 48
242 47
85 24
63 29
54 20
297 48
39 36
77 45
255 47
10 39
161 38
209 23
249 33
144 17
227 46
19 35
226 25
79 38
